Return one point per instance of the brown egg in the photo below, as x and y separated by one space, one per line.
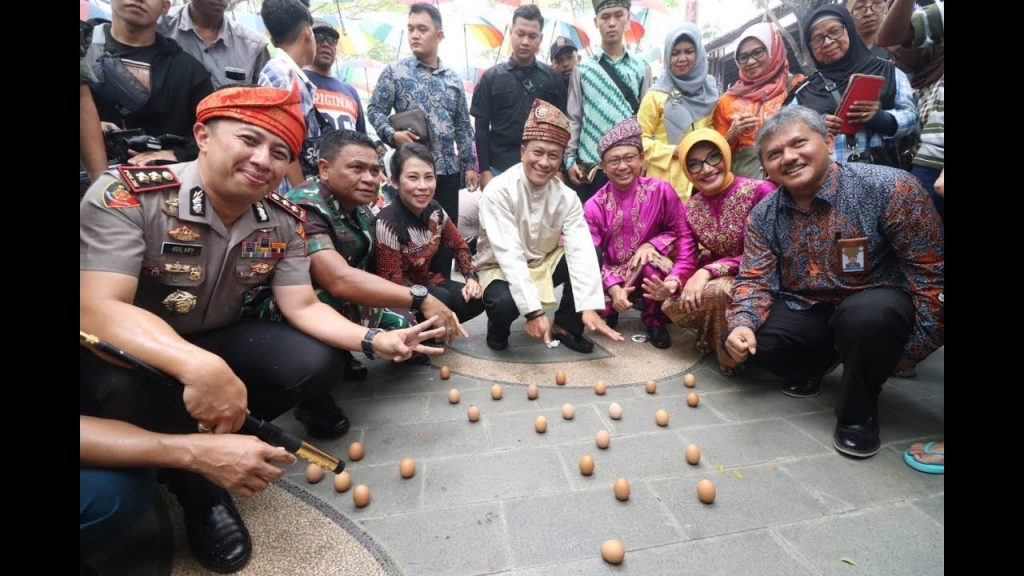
586 464
541 424
361 495
355 451
473 413
690 380
600 387
496 391
661 417
621 489
692 454
692 399
314 473
407 468
706 491
568 412
560 378
454 395
613 551
532 392
603 439
342 482
446 373
651 386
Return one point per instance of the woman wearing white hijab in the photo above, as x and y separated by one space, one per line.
682 100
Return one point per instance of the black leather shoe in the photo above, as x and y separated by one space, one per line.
612 320
858 440
322 418
217 535
496 340
354 369
574 342
803 389
658 336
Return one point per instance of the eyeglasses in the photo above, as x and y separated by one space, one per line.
627 159
755 54
325 37
833 34
713 159
876 6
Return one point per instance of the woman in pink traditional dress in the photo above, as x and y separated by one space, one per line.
716 217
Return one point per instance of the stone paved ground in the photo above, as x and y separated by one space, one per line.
495 497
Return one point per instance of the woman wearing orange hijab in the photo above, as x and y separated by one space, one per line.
762 88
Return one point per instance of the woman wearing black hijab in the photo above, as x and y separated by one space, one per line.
838 52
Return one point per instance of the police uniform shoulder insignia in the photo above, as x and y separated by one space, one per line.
197 201
116 195
259 211
142 179
289 206
301 231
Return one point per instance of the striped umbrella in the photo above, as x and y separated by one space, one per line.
484 32
636 28
575 33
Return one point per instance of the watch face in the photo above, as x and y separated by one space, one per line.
419 291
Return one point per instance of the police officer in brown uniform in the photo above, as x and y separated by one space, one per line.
167 255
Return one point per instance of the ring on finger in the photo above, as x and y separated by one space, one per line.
204 428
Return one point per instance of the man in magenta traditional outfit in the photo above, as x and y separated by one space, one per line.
638 227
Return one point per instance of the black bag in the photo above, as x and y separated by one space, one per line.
894 152
309 156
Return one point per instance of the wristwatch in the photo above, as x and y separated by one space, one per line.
368 342
419 294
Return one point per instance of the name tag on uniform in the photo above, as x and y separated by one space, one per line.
180 249
853 255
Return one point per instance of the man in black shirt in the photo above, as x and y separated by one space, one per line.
502 100
146 80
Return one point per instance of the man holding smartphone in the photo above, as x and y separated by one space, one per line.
233 53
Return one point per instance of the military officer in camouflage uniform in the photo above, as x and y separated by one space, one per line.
340 245
167 255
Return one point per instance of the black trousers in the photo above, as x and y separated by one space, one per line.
450 292
867 330
502 310
278 364
447 195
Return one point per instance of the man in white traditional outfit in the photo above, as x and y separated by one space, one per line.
524 212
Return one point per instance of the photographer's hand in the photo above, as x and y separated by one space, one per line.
142 158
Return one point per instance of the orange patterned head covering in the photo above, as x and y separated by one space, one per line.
547 123
718 141
276 110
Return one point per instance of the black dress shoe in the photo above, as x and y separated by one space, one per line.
574 342
858 440
496 340
658 336
322 418
612 320
353 369
803 389
217 535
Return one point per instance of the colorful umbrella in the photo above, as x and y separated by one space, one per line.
636 29
87 10
570 31
518 3
377 29
484 32
652 4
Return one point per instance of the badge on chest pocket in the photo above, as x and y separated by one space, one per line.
853 255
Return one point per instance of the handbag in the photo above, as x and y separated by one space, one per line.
894 152
414 120
309 156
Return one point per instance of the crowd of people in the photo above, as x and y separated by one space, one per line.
249 261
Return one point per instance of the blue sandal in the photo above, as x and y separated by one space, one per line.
926 467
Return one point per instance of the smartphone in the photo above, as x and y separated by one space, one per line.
236 74
862 87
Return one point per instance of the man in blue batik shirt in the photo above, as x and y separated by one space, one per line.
423 82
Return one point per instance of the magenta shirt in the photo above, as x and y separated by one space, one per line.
649 212
717 223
